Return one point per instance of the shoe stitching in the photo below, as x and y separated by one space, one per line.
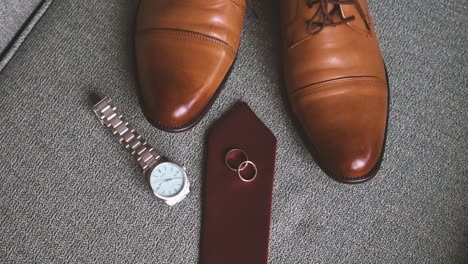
189 34
318 86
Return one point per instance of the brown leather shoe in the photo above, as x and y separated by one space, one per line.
184 51
337 85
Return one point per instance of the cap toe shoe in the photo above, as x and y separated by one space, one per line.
184 51
337 85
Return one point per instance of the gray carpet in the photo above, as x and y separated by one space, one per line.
70 194
13 14
17 18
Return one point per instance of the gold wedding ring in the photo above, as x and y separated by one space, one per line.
245 165
238 161
234 158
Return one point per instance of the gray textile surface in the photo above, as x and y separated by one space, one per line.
70 194
17 18
13 14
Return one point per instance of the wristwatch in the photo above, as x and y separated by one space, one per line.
168 180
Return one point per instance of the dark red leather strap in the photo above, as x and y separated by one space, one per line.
236 214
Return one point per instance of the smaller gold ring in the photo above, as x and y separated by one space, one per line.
236 156
243 166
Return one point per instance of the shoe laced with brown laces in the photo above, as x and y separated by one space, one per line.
315 26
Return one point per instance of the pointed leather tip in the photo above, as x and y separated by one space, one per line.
345 125
179 76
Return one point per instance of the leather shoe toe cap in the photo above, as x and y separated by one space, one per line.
179 74
345 124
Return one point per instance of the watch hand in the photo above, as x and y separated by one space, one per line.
170 179
164 181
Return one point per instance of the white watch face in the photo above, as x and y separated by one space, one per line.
167 179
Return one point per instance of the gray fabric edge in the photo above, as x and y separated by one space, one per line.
24 32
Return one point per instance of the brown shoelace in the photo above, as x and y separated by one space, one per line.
315 27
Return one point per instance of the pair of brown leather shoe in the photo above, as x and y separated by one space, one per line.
334 72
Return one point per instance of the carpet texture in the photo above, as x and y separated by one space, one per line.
17 18
13 14
69 193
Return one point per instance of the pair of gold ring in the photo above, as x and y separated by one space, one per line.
238 161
